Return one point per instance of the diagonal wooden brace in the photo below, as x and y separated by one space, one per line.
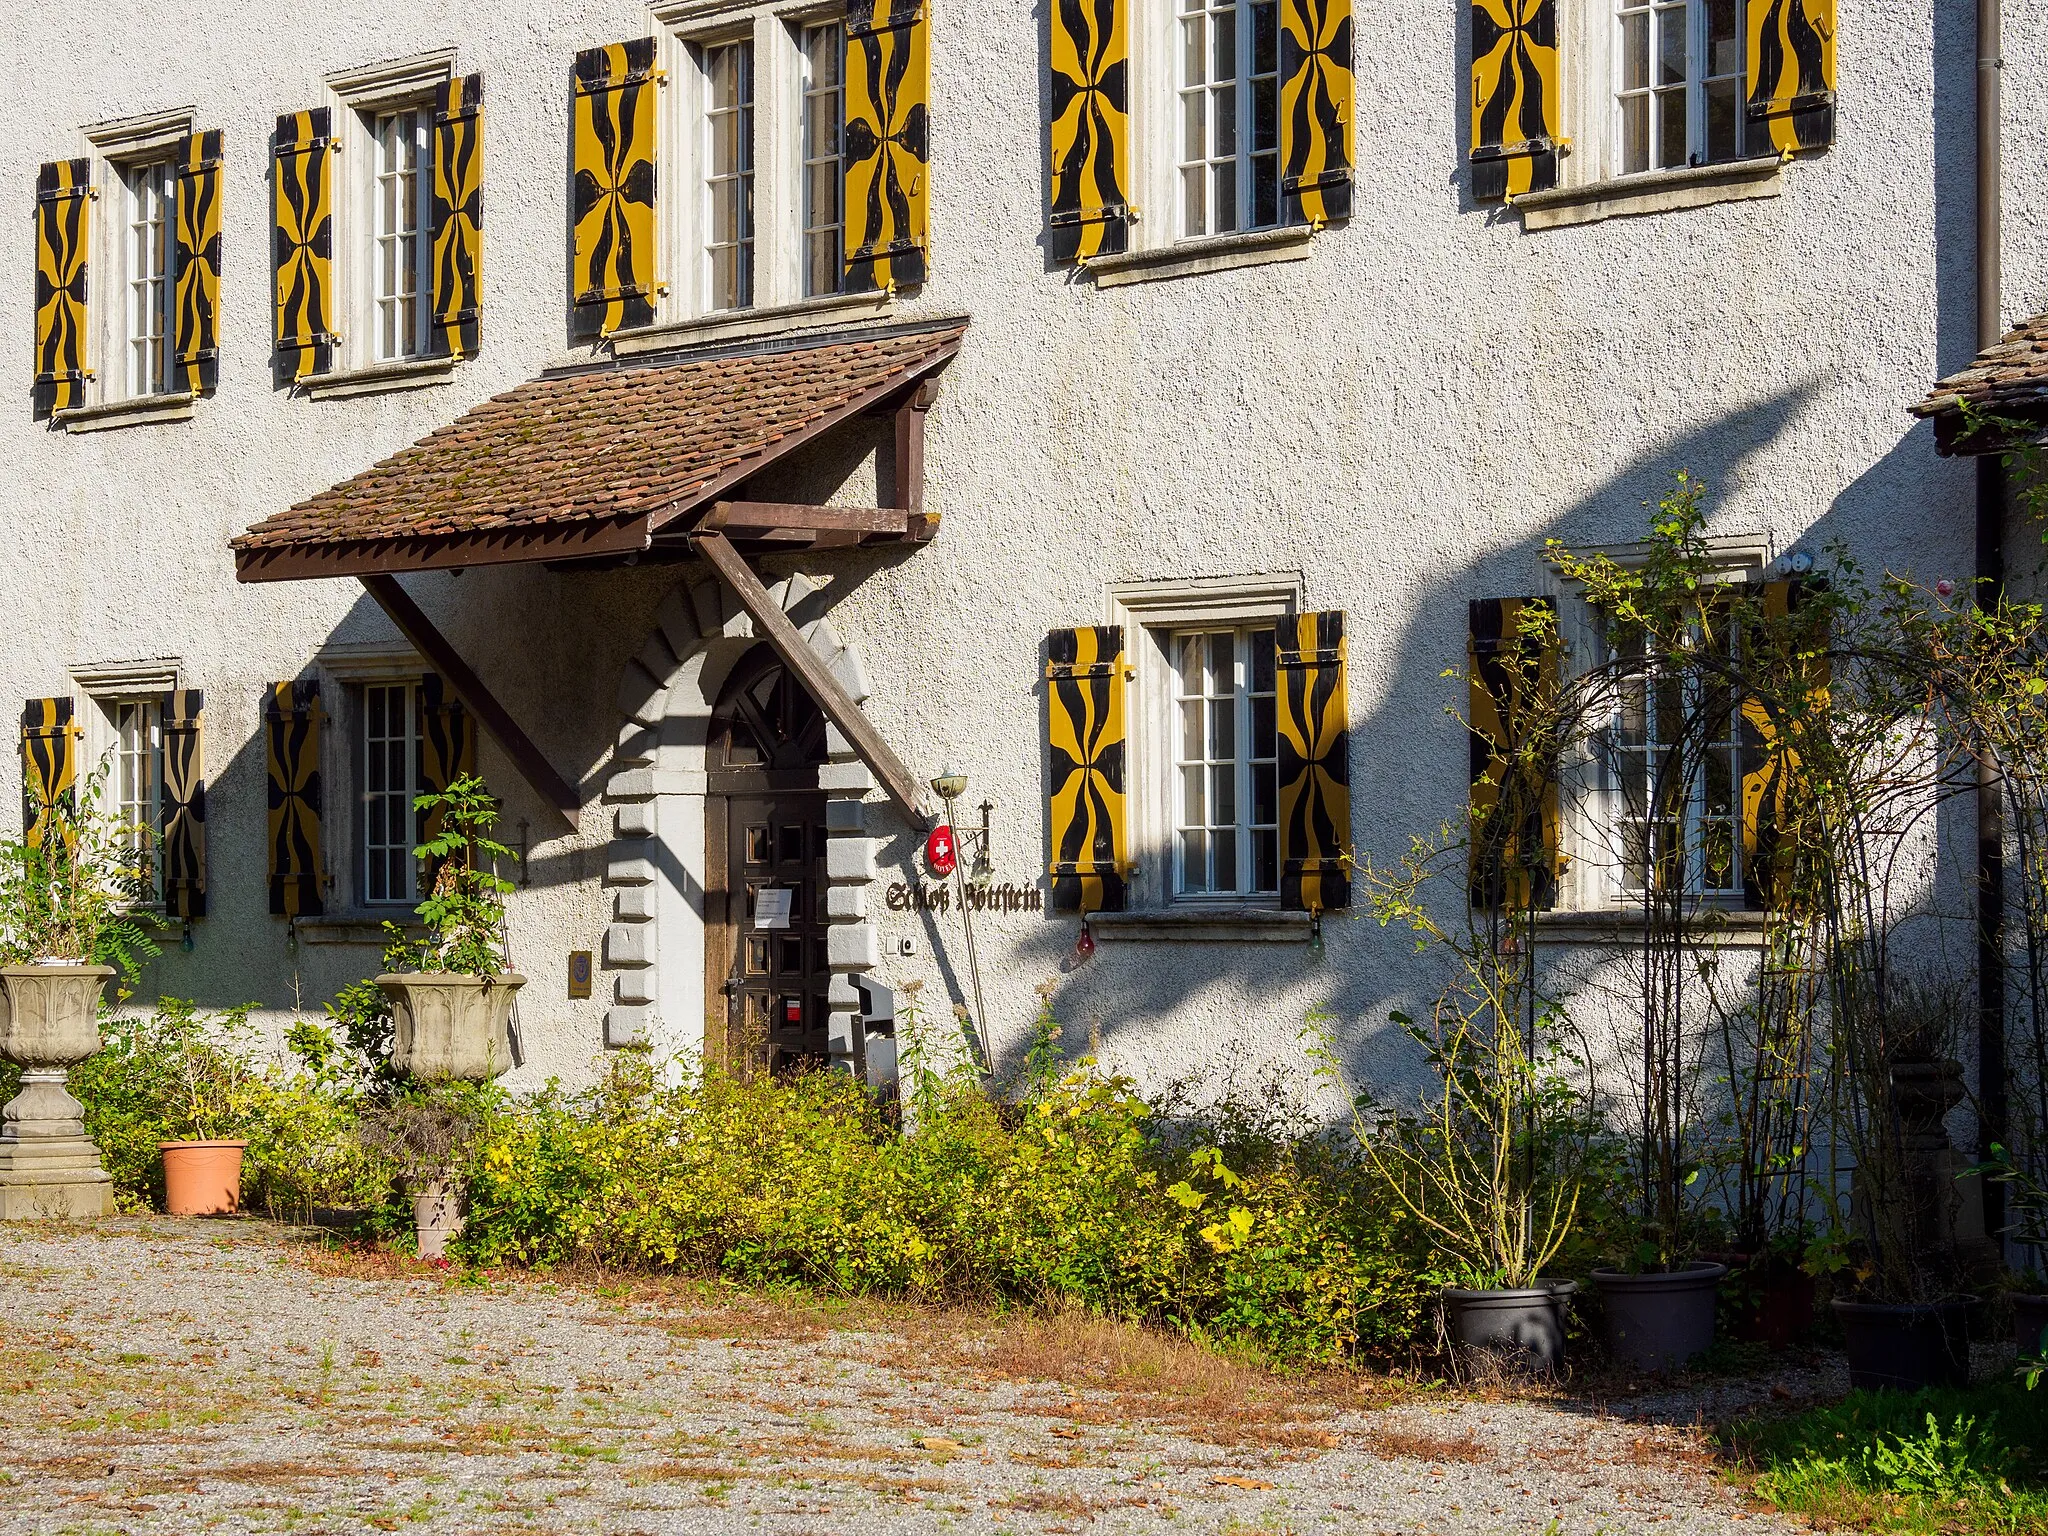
774 626
475 697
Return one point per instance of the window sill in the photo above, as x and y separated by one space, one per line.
732 324
142 411
1689 186
380 378
1728 927
1210 925
1188 258
366 931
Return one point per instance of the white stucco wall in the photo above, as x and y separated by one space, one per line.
1400 419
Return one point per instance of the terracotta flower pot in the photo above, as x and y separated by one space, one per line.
202 1178
446 1025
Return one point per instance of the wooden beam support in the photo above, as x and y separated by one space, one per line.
751 517
774 626
475 697
909 460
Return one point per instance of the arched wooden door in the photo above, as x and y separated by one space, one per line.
764 948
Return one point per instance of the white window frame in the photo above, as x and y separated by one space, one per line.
1592 805
1191 884
363 849
718 174
1150 612
149 281
99 693
360 98
1694 20
810 100
399 231
346 668
1243 96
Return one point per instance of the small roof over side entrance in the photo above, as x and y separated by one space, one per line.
2005 383
614 459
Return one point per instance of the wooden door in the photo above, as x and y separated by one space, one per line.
766 971
773 925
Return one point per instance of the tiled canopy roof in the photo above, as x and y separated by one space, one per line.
601 447
2009 376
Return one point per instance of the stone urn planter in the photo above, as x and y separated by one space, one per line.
1659 1321
50 1020
202 1178
1523 1329
449 1027
1906 1346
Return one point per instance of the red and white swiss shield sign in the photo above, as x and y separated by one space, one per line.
939 853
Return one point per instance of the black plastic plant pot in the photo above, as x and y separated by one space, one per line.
2030 1326
1657 1322
1524 1330
1906 1346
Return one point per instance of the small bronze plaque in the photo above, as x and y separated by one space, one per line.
579 973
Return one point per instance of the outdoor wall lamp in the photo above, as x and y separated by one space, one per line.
949 784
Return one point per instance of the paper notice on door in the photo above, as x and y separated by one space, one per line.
771 906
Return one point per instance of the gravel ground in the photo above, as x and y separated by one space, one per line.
171 1376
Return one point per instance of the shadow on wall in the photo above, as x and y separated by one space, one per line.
1134 991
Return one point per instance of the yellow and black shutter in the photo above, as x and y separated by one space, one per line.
1091 128
49 764
63 238
612 143
1516 109
1085 676
1513 663
302 242
1791 84
292 722
1314 763
887 151
1317 108
1772 799
183 829
456 217
447 746
195 320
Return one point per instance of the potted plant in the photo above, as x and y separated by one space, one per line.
2027 1203
1494 1158
211 1094
451 1009
69 922
1905 1324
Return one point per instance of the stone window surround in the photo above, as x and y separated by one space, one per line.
656 865
1145 608
359 92
779 304
1591 906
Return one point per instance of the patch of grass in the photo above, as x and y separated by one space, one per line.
1935 1463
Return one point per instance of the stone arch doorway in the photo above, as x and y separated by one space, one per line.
764 893
656 956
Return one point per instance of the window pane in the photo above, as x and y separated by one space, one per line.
1724 43
1224 35
1226 125
1192 51
1262 660
1223 795
1223 727
1222 662
1265 190
1225 850
1635 133
1226 197
1635 51
1192 809
1265 40
1671 46
1671 128
1265 727
1194 862
1265 862
1265 115
1265 794
1192 650
1191 730
1722 120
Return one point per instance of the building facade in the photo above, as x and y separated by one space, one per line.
1126 403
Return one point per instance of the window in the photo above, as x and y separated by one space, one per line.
398 247
824 112
1226 839
150 196
1229 116
1674 770
389 781
1679 85
729 174
137 780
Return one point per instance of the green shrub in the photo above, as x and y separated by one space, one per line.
1940 1460
1073 1197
